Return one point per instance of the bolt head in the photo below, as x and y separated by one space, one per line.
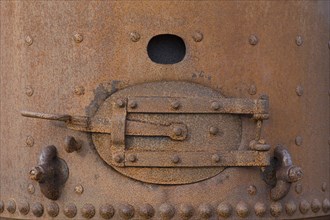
197 36
177 131
118 158
215 158
295 174
299 40
31 188
175 105
135 36
29 141
252 190
253 40
175 159
29 91
213 130
132 158
215 105
78 38
79 189
79 90
132 104
28 40
120 103
299 140
299 90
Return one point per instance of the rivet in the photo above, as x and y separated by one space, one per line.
252 190
11 206
175 105
215 105
260 209
205 211
118 158
299 40
146 211
70 210
197 36
324 186
29 40
242 209
299 140
253 90
53 209
126 211
177 131
29 91
213 130
132 158
120 103
2 206
31 188
24 208
253 39
215 158
326 205
290 208
175 159
29 141
132 104
304 206
88 211
166 211
275 209
224 210
299 90
186 211
315 205
79 189
107 211
37 209
78 38
298 188
135 36
79 90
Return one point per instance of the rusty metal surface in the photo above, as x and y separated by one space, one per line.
83 59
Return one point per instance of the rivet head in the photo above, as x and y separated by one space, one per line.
316 205
290 208
146 211
177 131
299 140
304 206
175 159
11 206
205 211
107 211
260 209
166 211
29 141
78 38
24 208
326 205
2 206
295 173
215 105
175 105
276 209
118 158
132 104
186 211
88 211
37 209
79 90
28 40
242 209
31 188
126 211
253 90
299 90
324 186
224 210
253 40
120 103
132 158
252 190
70 210
53 209
298 188
215 158
135 36
213 130
299 40
29 91
79 189
197 36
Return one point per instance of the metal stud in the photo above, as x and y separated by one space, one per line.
146 211
205 211
79 90
299 90
290 208
304 206
135 36
11 206
31 188
29 91
126 211
175 105
107 211
299 140
28 40
186 211
132 104
224 210
215 105
324 186
79 189
316 205
37 209
260 209
253 90
118 158
177 131
242 209
120 103
197 36
253 40
70 210
276 209
78 38
252 190
29 141
213 130
88 211
326 205
175 159
299 40
24 208
215 158
298 188
2 206
132 158
53 209
166 211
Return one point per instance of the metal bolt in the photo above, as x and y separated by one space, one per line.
29 91
205 211
37 173
252 190
24 208
29 40
132 158
2 206
37 209
107 211
276 209
79 90
71 145
29 141
215 105
30 188
242 209
326 205
197 36
79 189
186 211
126 211
316 205
135 36
215 158
146 211
253 40
290 208
132 104
166 211
70 210
88 211
299 140
299 90
253 90
304 206
224 210
324 186
299 188
120 103
175 105
299 40
260 209
175 159
177 131
53 209
78 38
295 174
213 130
11 207
118 158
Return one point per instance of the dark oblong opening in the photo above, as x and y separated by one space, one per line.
166 49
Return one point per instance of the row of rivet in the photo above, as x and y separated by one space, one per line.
168 211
